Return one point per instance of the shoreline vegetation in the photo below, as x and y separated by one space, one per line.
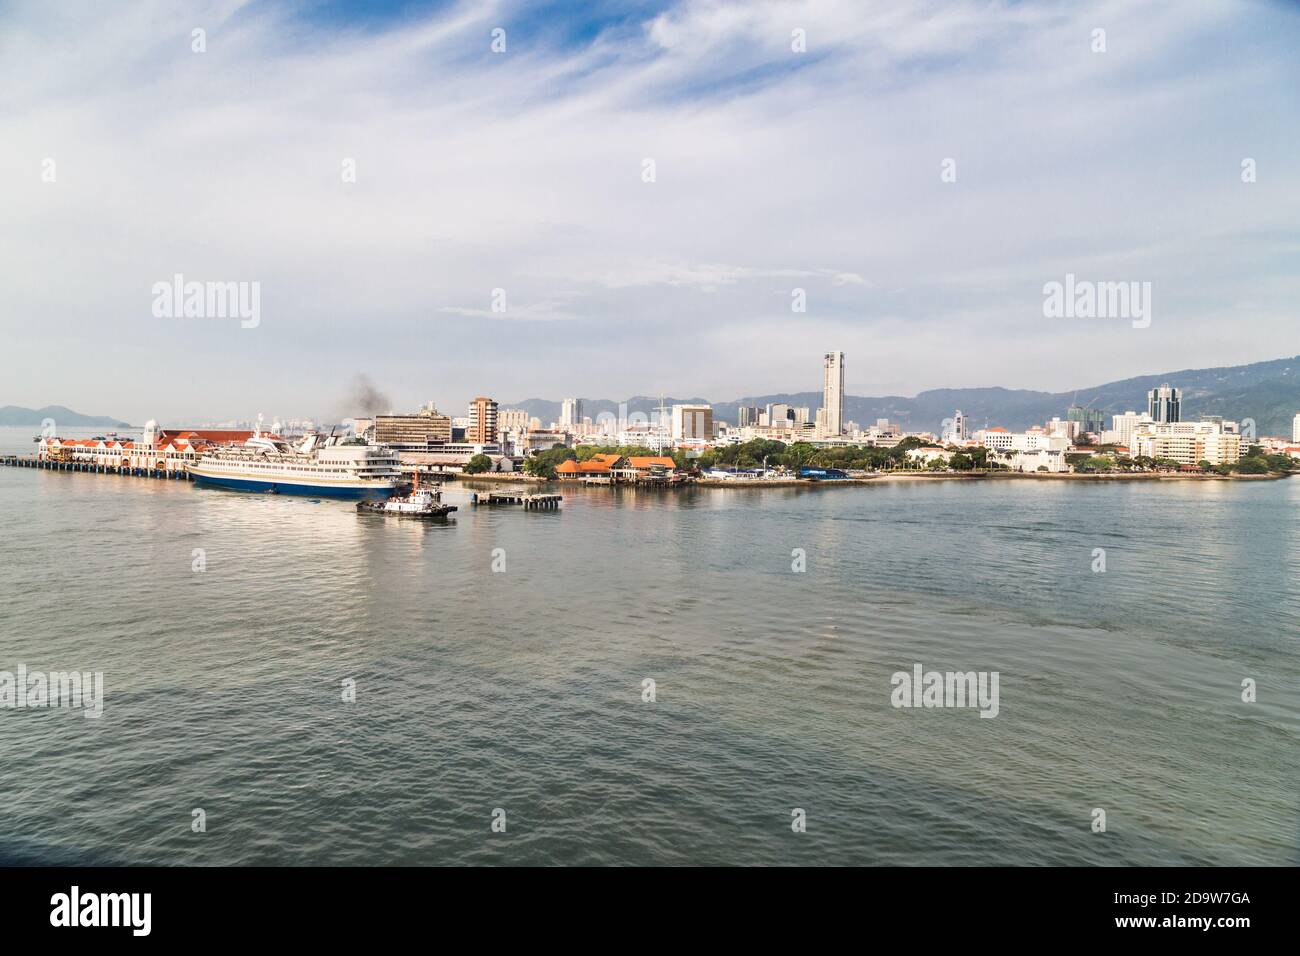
970 476
764 463
517 477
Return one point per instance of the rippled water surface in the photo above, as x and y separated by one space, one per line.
522 689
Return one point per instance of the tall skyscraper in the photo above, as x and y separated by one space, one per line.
833 393
482 428
571 412
1163 404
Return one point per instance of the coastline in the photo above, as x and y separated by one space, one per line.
973 476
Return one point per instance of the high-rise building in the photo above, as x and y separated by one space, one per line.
957 430
482 428
1089 419
832 393
571 412
1163 404
512 420
1216 447
748 415
1295 429
692 422
779 415
1122 427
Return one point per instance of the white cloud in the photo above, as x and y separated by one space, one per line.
522 171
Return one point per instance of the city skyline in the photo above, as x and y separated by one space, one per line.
367 177
376 399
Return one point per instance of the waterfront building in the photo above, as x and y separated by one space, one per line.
598 466
1030 440
157 449
633 469
1050 460
1164 404
1188 443
1216 448
645 469
483 421
925 456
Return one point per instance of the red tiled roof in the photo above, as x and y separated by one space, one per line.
215 435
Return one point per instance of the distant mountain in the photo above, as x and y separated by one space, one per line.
14 416
1268 392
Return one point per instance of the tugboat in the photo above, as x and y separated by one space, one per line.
420 503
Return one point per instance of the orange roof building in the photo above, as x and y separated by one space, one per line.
651 462
599 466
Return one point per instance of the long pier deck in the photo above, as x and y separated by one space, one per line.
31 461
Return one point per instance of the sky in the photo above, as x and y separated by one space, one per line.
916 172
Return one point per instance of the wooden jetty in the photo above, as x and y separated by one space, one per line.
529 502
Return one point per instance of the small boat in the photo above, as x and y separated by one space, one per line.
420 503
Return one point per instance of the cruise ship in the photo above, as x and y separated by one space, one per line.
318 465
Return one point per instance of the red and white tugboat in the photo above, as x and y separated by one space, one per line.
420 503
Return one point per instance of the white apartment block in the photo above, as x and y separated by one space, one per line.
1034 439
512 419
1122 427
1214 445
